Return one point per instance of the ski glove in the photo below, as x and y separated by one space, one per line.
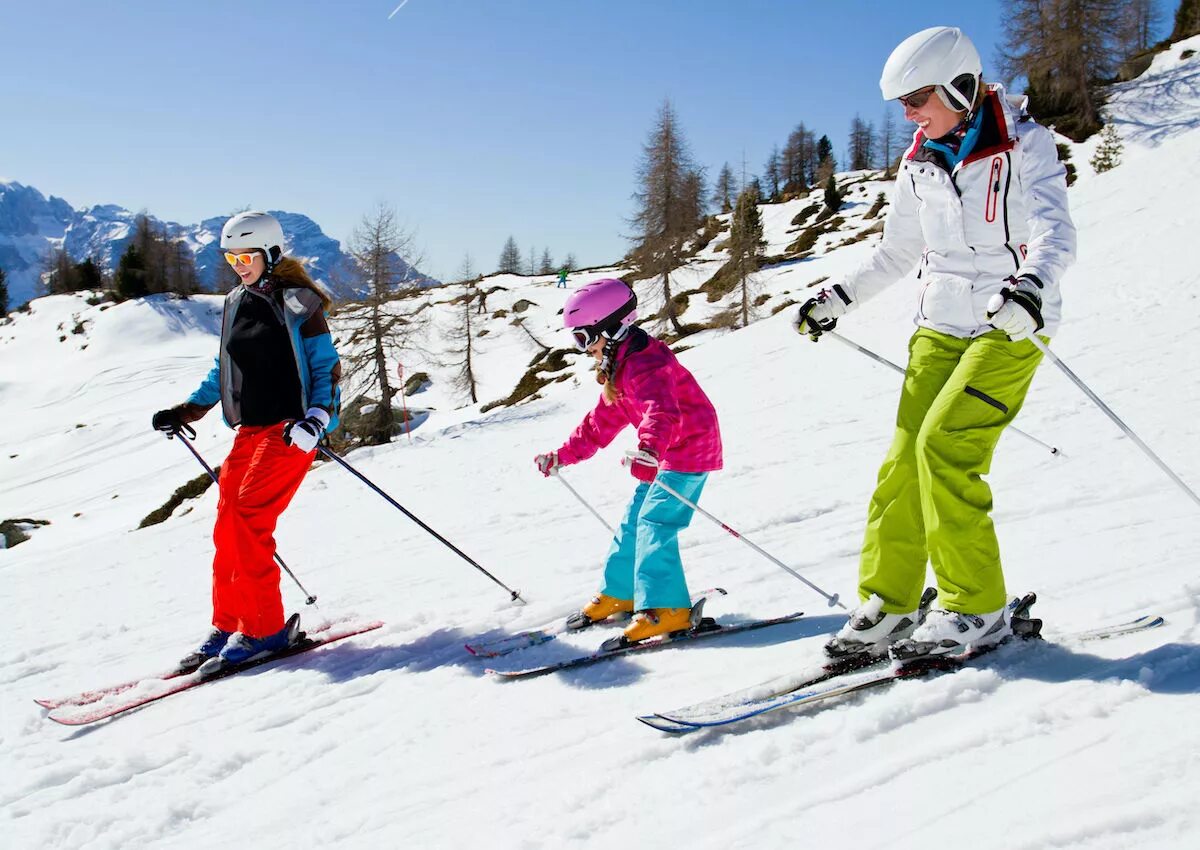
821 313
169 420
305 433
1017 309
547 463
643 464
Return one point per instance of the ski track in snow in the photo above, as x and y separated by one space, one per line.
398 738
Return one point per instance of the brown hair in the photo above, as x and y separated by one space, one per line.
290 273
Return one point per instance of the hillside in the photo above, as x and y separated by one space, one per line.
400 739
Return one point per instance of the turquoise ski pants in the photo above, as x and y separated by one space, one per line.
643 562
932 504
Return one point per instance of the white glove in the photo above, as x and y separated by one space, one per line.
820 313
1017 309
305 433
642 456
547 463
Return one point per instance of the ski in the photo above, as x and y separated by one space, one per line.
550 631
708 628
832 680
127 696
86 697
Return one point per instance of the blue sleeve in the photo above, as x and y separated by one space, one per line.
209 392
323 369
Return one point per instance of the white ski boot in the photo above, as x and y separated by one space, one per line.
871 631
952 633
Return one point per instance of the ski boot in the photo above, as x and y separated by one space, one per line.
869 631
953 633
211 648
653 622
600 608
241 648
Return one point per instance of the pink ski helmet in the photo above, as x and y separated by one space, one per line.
605 307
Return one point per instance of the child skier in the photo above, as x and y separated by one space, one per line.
980 203
276 377
679 443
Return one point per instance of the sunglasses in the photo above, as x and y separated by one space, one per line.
236 260
917 99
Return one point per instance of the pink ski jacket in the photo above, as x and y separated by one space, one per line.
660 398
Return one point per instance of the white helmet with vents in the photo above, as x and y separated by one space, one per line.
939 56
254 230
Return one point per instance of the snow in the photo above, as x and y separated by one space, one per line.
398 738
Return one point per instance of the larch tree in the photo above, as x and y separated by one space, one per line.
746 246
379 328
669 204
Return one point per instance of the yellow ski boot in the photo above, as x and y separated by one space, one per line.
600 608
658 621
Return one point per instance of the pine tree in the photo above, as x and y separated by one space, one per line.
546 265
1108 152
89 275
746 246
130 278
725 190
531 266
833 198
3 294
669 206
510 258
887 140
569 263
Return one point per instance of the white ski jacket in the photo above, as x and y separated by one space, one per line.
1001 212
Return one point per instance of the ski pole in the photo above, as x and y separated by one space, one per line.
187 433
515 595
1128 431
557 474
1054 450
658 482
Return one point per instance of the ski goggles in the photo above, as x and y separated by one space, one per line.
236 260
918 98
585 337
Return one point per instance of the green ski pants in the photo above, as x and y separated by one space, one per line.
931 503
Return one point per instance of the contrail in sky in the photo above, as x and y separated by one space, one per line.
397 9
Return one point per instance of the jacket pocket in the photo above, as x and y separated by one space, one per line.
948 302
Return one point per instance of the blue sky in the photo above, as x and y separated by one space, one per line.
472 119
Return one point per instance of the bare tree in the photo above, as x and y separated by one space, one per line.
462 336
3 294
379 328
862 143
772 173
725 190
546 265
1064 49
669 205
510 258
1140 19
569 263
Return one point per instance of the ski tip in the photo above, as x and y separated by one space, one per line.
661 724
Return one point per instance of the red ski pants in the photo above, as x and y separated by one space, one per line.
257 481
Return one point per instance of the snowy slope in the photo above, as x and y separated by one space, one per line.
399 739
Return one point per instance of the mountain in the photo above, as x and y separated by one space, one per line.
31 225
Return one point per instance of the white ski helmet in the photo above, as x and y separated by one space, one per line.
939 56
254 230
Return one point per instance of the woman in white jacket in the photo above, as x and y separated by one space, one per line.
980 205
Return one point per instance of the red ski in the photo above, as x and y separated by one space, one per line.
102 703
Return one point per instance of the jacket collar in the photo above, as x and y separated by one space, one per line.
996 133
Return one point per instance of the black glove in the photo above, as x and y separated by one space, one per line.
169 420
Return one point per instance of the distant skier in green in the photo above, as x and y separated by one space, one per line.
562 278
